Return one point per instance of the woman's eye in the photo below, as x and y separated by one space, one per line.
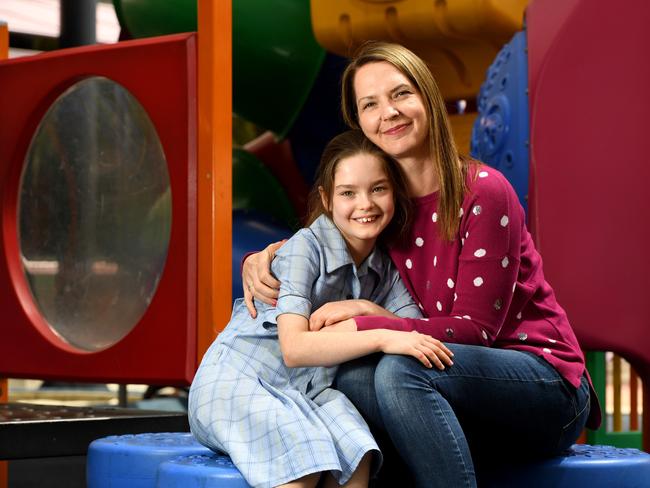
367 105
402 93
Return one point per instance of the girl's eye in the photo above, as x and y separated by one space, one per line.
378 189
347 193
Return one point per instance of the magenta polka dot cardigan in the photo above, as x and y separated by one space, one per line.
486 287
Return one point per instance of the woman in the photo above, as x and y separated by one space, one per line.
518 386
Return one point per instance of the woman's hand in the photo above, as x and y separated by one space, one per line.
257 280
424 348
334 312
348 325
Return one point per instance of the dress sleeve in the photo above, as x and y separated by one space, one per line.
398 300
488 265
297 266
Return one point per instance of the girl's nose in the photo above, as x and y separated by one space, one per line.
365 201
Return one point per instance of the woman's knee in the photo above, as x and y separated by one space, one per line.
398 378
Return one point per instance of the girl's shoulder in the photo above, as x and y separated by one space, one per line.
313 242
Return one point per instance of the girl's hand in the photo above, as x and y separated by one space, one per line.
424 348
334 312
257 280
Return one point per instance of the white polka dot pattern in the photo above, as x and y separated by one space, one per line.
409 264
476 272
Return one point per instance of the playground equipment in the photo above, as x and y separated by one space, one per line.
588 171
584 91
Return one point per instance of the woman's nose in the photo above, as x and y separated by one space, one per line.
389 112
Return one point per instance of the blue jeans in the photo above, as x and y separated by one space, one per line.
491 408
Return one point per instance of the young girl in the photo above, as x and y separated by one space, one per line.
262 393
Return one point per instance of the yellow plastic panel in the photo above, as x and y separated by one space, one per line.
457 38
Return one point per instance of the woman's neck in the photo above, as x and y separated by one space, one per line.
421 176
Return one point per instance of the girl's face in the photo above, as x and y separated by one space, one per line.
361 203
391 111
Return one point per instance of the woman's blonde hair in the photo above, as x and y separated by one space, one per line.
348 144
443 150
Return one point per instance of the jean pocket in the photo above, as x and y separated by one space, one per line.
571 431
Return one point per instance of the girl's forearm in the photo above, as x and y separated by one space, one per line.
306 348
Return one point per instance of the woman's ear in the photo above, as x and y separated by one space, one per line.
324 199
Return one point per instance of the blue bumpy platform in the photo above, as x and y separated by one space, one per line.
132 460
177 460
214 471
584 466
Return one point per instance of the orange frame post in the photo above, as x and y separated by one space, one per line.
214 169
4 383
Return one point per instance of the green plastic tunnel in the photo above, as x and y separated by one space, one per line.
275 55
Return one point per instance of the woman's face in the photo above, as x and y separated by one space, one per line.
391 111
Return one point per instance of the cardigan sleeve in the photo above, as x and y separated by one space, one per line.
490 232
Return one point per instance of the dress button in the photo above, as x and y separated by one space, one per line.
522 336
497 304
449 332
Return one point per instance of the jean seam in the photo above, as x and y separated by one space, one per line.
509 380
578 414
456 448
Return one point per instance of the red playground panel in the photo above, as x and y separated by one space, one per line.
589 168
158 77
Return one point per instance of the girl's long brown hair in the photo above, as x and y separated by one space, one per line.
351 143
449 166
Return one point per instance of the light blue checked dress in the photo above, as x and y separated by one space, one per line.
278 423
